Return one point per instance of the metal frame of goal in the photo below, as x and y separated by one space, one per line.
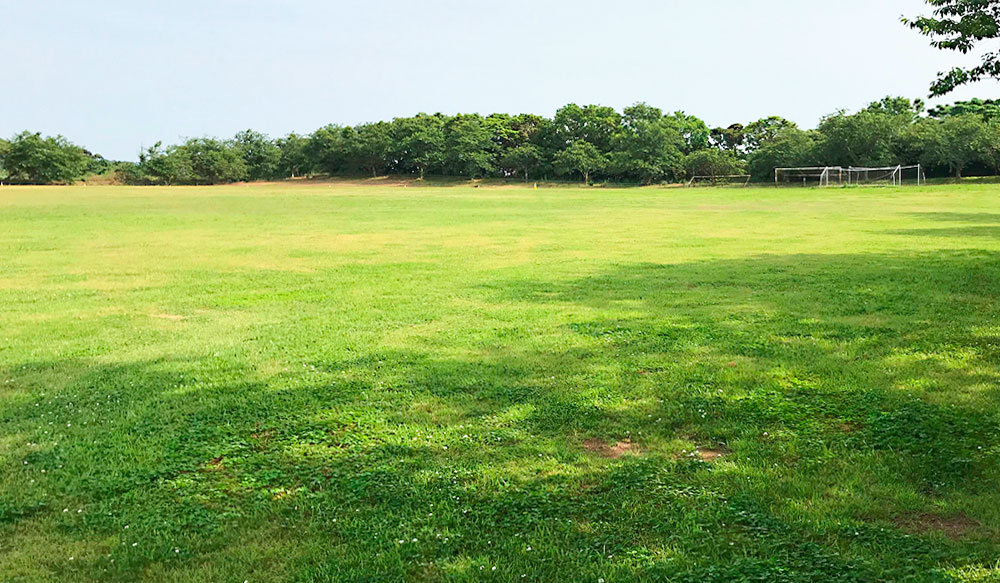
827 175
723 180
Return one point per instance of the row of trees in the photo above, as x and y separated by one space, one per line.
33 159
642 144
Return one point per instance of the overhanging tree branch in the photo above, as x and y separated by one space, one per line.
961 25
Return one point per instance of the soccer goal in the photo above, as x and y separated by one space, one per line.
887 175
898 175
726 180
810 175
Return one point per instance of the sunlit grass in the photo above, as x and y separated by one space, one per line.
334 382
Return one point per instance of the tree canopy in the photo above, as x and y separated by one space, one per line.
33 159
962 26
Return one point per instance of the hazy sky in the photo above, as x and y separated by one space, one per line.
117 75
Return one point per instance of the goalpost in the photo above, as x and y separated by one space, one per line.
838 175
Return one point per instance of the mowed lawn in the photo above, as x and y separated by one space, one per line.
343 382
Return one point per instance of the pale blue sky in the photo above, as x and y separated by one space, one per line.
115 75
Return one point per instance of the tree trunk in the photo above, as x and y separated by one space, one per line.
586 177
421 173
958 171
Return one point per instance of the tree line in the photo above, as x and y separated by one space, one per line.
641 144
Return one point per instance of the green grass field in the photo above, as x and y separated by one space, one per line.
337 382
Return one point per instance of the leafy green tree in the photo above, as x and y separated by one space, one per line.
693 130
962 25
729 139
501 128
329 149
595 124
213 161
420 142
159 165
897 106
367 147
469 146
581 157
527 129
712 162
878 135
790 147
758 133
523 160
294 156
261 155
957 142
96 164
649 146
988 109
33 159
4 148
862 139
989 146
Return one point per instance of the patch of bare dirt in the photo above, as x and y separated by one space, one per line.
710 454
706 454
615 451
955 526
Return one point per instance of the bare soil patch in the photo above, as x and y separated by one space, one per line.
706 453
615 451
710 454
955 526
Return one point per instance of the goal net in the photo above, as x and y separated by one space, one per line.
809 175
838 175
888 175
727 180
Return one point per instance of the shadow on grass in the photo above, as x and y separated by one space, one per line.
961 217
976 225
957 232
844 392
